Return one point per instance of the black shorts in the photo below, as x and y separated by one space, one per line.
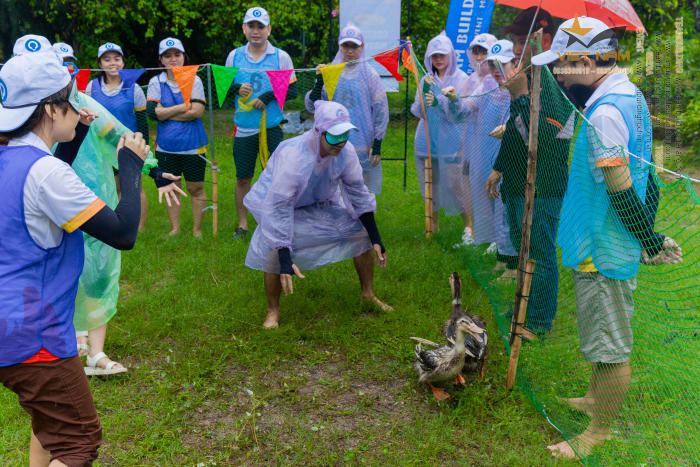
245 150
190 166
57 397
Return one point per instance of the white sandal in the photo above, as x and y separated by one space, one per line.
83 349
93 370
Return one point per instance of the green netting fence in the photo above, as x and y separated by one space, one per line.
593 308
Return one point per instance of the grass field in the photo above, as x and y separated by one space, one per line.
334 384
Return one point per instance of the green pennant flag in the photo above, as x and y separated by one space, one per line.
223 77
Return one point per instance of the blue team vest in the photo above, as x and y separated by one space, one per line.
176 136
120 105
589 225
247 73
37 285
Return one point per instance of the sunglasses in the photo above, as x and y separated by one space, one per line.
334 140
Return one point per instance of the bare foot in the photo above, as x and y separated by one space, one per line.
584 443
272 320
197 234
373 300
582 404
174 232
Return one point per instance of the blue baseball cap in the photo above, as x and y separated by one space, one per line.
31 43
27 79
109 47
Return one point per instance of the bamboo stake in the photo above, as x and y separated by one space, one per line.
531 177
518 322
428 171
214 165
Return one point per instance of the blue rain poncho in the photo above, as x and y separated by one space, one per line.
446 126
361 91
308 203
488 108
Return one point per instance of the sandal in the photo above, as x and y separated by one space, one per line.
93 370
82 346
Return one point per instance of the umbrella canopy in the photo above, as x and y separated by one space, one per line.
614 13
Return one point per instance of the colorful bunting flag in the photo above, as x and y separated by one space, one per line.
390 61
184 76
130 76
331 75
407 60
82 78
279 79
223 77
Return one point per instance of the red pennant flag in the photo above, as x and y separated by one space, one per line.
390 61
184 75
82 78
279 79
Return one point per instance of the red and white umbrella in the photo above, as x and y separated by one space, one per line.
614 13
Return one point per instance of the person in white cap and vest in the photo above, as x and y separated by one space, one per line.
181 138
313 209
45 210
361 91
32 43
253 87
607 219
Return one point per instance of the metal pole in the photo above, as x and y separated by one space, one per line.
406 104
214 165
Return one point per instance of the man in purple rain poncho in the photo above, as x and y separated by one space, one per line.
313 208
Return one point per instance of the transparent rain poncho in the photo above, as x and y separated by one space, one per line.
309 204
446 126
361 91
488 108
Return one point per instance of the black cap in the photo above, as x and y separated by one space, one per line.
521 23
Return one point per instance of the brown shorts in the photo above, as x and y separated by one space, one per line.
57 397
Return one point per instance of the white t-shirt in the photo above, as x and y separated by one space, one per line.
139 96
55 199
153 94
285 63
608 135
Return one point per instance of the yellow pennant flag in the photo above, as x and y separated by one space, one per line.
263 151
331 75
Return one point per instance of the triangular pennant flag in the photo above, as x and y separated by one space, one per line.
82 78
279 79
184 75
223 77
390 61
129 77
331 75
407 60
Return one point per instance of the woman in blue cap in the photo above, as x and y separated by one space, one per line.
41 255
181 138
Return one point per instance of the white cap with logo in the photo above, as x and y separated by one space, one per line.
501 51
109 47
577 35
27 79
257 13
31 43
170 43
64 50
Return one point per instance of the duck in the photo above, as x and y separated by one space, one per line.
475 341
444 362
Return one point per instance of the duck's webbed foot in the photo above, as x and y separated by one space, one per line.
459 379
439 393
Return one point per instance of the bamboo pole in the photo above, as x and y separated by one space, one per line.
428 172
214 165
516 332
525 275
530 179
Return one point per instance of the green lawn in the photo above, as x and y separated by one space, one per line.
334 384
